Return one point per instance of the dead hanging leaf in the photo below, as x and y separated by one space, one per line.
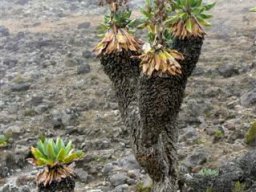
46 177
187 29
117 42
163 61
157 62
113 6
121 38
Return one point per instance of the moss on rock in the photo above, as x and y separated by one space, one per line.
239 187
141 188
250 137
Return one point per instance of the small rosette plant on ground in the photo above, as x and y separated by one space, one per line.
56 158
188 17
3 141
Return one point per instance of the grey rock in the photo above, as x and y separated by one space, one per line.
83 69
67 119
36 100
98 144
25 189
131 181
190 134
235 135
22 2
73 7
193 109
213 91
10 63
136 3
20 35
21 152
252 188
4 31
57 123
91 2
198 157
228 70
20 87
43 108
64 118
71 62
10 161
13 130
107 169
4 171
84 25
43 43
129 162
87 54
198 71
239 170
94 190
232 124
147 181
118 179
82 175
248 99
9 188
121 188
21 149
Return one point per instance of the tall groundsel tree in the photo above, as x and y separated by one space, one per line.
150 82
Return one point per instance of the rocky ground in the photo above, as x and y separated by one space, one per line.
51 84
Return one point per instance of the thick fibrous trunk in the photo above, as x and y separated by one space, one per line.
159 103
123 71
150 107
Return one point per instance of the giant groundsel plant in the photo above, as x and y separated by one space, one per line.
149 83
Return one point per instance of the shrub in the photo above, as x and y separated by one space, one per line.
208 172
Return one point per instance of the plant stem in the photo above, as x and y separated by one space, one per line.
160 15
113 8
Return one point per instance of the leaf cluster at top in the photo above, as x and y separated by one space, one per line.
191 12
121 19
186 9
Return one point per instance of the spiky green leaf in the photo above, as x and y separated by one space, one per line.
51 153
253 9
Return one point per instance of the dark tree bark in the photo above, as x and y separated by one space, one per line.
149 107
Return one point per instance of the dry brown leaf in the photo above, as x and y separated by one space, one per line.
56 173
116 42
179 29
161 62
